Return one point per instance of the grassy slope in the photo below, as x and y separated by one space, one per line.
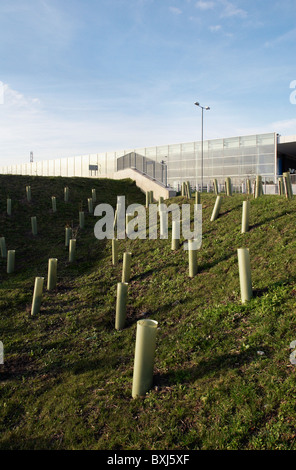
223 379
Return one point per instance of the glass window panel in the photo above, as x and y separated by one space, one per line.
77 166
248 169
197 146
249 159
120 153
39 168
111 162
248 141
266 149
71 166
151 152
265 169
216 144
250 151
174 152
51 168
216 155
268 159
232 142
102 165
174 171
266 139
230 170
93 159
57 167
141 151
177 165
232 161
45 167
189 147
64 167
162 152
85 165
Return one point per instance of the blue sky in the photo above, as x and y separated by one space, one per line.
89 76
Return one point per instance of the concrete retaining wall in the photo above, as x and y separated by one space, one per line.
145 183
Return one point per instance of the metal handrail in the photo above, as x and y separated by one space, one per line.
146 166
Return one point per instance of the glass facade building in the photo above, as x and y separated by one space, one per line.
237 157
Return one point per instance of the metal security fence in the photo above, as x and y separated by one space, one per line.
155 170
269 185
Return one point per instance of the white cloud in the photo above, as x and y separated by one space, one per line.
25 126
229 10
215 28
175 11
13 99
285 127
1 92
205 5
288 36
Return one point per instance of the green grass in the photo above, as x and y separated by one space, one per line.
222 375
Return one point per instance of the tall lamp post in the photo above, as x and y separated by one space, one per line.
202 110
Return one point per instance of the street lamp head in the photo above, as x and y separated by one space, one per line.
203 107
